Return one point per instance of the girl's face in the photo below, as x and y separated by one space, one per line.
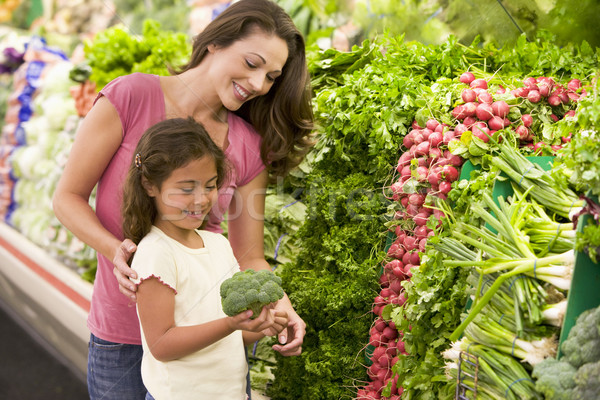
247 68
185 198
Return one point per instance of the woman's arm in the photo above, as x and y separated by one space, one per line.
246 235
156 308
97 140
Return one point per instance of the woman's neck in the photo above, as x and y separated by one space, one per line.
188 94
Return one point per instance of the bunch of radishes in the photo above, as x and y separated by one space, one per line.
426 164
426 168
483 115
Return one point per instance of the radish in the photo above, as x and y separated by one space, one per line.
421 174
478 83
396 286
422 148
410 244
564 97
496 123
556 147
520 92
448 137
449 173
404 159
522 132
500 90
420 219
416 199
418 138
415 258
484 111
481 132
404 201
569 114
485 97
467 77
459 129
554 117
574 85
538 147
458 112
530 83
435 175
407 141
432 124
421 232
435 139
545 88
469 109
405 171
380 324
415 125
527 120
426 132
434 154
534 96
500 108
445 187
468 95
573 96
554 100
469 121
398 271
453 159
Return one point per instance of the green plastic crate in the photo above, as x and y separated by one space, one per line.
585 286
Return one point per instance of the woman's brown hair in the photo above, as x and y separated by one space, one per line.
283 116
163 148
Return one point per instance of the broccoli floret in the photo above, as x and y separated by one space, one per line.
555 379
582 345
250 290
587 380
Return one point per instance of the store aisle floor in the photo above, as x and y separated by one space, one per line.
29 372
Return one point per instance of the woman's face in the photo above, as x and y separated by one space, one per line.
247 68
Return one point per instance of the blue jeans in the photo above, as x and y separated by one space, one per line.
114 371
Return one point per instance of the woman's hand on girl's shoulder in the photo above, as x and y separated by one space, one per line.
122 271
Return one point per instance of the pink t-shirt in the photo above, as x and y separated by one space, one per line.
139 101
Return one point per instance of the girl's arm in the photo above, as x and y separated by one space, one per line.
156 308
246 235
97 140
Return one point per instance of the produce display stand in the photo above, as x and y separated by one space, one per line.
48 297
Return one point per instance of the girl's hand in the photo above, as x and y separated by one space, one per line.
122 271
264 321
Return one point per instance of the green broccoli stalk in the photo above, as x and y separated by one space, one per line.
250 290
555 379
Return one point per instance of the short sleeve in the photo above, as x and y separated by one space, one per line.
153 260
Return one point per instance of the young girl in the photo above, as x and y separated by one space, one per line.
191 348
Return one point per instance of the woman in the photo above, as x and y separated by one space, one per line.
247 83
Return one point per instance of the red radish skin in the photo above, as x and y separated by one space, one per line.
500 90
500 108
432 124
534 96
484 111
458 112
449 173
479 83
527 120
522 132
445 187
574 85
485 97
481 132
554 100
468 95
469 109
496 123
467 77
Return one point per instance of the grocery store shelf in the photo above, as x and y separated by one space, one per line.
52 299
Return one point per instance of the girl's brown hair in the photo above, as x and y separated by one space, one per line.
163 148
283 116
